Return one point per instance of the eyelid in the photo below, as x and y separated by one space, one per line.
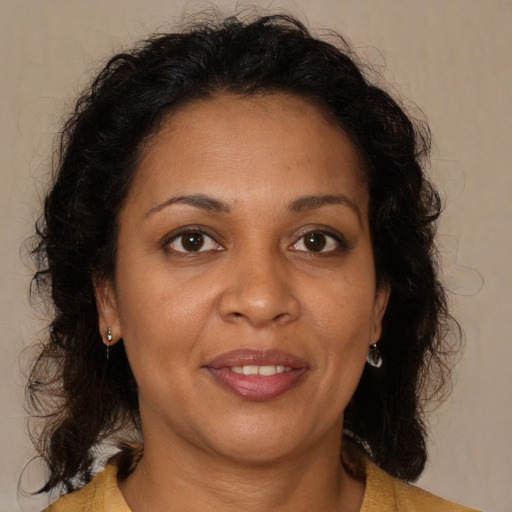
329 232
183 230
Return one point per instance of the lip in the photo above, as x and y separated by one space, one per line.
257 387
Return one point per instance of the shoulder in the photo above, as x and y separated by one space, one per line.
100 494
388 494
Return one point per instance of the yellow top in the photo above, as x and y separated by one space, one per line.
383 494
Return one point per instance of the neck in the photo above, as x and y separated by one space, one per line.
173 479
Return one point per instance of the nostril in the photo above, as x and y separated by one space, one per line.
258 300
281 316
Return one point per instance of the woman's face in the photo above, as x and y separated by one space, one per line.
245 289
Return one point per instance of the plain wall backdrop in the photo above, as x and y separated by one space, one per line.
449 57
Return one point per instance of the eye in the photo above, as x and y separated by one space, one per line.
316 241
193 241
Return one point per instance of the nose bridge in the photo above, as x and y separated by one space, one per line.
258 290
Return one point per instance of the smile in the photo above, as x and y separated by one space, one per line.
257 375
264 371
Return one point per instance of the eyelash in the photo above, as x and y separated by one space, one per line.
192 230
329 239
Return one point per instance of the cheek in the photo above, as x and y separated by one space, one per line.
160 336
342 313
161 318
343 310
166 315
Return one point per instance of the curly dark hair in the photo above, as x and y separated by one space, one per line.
85 399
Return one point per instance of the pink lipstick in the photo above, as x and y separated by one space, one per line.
257 375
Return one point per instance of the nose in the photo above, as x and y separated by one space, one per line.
259 292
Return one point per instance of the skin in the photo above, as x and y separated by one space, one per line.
256 284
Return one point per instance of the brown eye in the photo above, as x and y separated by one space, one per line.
314 241
193 241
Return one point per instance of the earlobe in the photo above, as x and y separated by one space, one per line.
108 318
381 302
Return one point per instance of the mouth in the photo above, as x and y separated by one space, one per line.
264 371
257 375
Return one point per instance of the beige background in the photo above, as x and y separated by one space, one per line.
450 57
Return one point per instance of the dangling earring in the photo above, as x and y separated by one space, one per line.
374 358
109 340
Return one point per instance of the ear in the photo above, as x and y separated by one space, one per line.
381 302
106 304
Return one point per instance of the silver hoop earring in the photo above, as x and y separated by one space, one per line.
109 340
374 358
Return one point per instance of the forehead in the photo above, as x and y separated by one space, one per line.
228 143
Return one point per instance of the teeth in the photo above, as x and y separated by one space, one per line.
266 370
250 370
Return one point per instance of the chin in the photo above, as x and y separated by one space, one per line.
264 441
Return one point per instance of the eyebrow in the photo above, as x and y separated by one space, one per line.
299 205
198 200
318 201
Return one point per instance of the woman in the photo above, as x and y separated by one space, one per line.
239 246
